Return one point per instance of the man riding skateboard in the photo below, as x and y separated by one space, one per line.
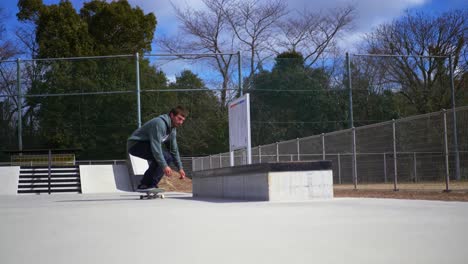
156 142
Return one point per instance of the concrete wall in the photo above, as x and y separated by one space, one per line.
278 182
9 177
105 179
94 179
300 185
246 187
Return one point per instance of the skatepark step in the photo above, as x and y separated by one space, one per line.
42 180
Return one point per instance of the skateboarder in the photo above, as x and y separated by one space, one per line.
156 142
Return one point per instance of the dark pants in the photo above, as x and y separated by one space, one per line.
155 172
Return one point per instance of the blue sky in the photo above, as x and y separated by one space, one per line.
369 13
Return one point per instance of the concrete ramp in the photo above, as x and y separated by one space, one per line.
105 179
9 177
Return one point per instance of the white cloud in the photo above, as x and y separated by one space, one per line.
165 15
369 13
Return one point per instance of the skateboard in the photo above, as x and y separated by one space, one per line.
152 193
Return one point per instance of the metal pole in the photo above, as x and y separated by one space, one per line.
249 137
259 154
49 165
455 131
231 158
385 166
339 169
137 59
323 146
395 179
415 169
277 152
348 63
239 66
354 159
20 106
447 168
298 149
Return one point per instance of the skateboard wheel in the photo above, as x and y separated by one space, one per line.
141 197
162 196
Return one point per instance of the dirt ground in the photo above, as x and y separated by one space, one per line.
404 194
423 191
174 184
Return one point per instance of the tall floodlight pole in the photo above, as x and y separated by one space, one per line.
138 89
20 106
348 66
351 121
454 113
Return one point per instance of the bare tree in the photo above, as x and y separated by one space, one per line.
313 34
423 81
8 102
206 31
253 23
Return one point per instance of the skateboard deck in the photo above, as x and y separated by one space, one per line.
152 193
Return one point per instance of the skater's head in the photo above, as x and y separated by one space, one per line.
178 115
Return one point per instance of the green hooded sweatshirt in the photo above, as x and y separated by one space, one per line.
158 132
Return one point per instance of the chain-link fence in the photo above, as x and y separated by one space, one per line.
94 103
422 145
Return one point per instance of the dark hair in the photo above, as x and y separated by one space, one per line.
179 110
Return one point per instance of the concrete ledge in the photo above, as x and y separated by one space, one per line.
9 177
267 181
104 179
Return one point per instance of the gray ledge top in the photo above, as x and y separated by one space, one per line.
266 167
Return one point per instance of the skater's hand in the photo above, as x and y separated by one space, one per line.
182 174
168 171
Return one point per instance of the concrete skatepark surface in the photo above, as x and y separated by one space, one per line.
120 228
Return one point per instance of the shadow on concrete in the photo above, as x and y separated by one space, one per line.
213 200
121 198
177 196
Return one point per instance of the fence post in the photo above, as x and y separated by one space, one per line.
447 169
354 163
259 154
49 169
137 59
231 158
455 130
395 179
323 146
277 152
385 167
415 167
20 106
298 149
348 64
339 169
